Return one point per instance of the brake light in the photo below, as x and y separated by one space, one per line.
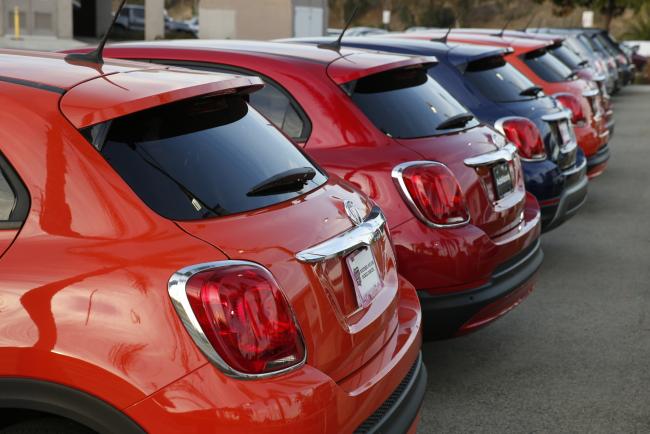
572 103
246 318
432 192
525 136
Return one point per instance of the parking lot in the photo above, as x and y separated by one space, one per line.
575 356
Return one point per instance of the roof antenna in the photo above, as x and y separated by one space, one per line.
444 38
336 44
530 21
505 26
96 56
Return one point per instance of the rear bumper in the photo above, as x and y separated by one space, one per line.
570 201
455 314
596 163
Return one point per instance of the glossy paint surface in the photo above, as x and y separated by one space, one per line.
84 302
591 136
347 144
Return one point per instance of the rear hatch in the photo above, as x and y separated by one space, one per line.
503 84
412 108
208 161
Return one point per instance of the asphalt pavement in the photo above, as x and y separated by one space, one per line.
575 356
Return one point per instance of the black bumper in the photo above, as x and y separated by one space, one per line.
443 315
397 413
571 199
598 158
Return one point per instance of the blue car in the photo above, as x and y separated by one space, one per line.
499 95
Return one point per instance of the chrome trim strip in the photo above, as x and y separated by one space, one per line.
369 231
557 116
590 92
575 169
505 154
398 177
176 289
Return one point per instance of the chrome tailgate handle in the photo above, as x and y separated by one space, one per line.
505 154
558 116
370 230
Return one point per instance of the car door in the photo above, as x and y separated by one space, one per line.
14 204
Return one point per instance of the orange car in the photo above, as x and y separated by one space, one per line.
171 263
530 56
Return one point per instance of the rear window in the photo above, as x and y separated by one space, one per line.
7 198
406 103
546 66
567 56
201 158
498 81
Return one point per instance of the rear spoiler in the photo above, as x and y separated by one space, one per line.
460 57
361 64
111 96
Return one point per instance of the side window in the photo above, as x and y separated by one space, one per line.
7 198
278 108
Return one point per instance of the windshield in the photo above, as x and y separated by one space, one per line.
499 81
546 66
407 103
202 157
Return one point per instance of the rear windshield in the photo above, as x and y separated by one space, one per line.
406 103
499 81
567 56
201 158
547 67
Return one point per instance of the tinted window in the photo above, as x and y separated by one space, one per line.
546 66
7 198
406 103
568 57
498 80
201 158
276 106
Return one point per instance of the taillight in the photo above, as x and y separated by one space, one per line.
244 316
525 135
432 192
572 103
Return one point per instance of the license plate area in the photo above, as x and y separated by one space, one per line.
565 131
502 180
365 275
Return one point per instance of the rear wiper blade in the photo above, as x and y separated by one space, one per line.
531 91
572 76
583 64
284 182
456 121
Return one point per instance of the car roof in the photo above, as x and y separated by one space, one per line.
93 93
521 44
343 65
457 53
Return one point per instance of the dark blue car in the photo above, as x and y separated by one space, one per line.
495 92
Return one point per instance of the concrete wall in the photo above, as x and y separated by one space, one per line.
245 19
154 22
38 17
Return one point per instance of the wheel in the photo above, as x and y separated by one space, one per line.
47 425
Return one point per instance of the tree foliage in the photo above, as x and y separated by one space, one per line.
608 8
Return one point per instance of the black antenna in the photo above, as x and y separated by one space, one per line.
530 21
336 45
96 56
444 38
505 26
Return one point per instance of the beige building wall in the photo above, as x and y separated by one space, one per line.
230 19
38 17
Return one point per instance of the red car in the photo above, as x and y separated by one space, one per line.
530 56
171 263
466 232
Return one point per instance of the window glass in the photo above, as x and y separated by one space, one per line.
407 103
7 199
276 106
498 80
203 157
547 67
568 57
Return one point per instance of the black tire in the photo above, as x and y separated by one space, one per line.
47 425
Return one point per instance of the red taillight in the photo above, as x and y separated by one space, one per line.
572 103
246 318
525 136
433 191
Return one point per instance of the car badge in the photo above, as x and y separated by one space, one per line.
353 212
